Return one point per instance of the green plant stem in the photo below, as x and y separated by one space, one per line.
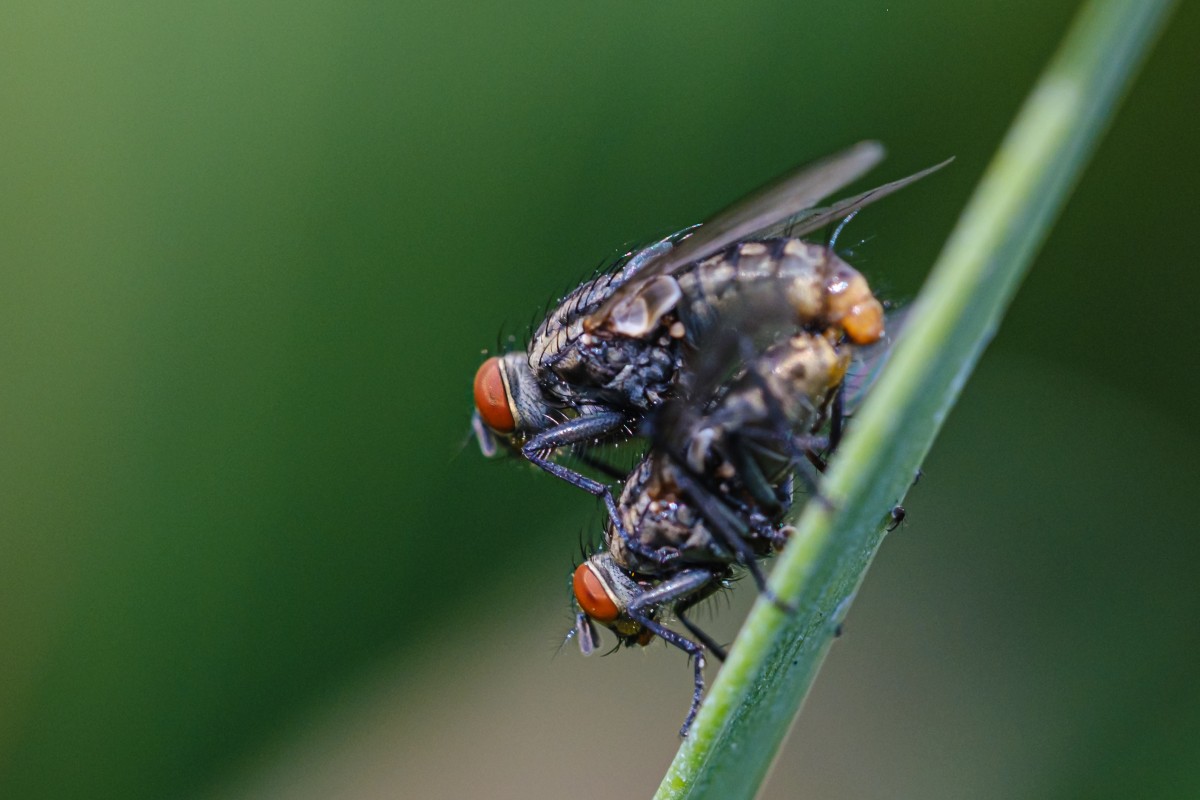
776 656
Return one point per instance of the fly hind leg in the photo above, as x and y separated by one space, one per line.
681 612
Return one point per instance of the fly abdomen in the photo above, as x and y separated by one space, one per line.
655 512
818 287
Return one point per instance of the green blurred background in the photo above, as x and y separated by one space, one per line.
251 254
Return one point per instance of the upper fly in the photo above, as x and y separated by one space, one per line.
613 349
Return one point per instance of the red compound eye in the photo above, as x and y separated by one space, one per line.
592 597
491 399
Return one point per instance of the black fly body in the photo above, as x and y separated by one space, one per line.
611 351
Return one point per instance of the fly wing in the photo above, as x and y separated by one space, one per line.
869 361
813 219
782 199
776 202
761 318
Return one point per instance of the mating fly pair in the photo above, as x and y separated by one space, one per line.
626 353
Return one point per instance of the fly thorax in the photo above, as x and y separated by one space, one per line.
627 356
554 341
634 372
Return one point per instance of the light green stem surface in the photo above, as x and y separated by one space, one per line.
776 656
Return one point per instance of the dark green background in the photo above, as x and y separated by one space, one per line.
251 253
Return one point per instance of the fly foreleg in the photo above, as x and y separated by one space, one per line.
582 429
683 585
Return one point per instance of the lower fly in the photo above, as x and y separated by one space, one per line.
711 495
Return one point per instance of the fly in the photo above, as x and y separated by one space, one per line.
711 494
612 350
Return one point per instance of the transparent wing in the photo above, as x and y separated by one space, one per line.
869 361
784 199
760 318
813 219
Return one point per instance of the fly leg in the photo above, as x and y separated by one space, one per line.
582 429
681 609
804 459
746 460
806 463
810 465
681 586
572 432
730 533
837 417
602 467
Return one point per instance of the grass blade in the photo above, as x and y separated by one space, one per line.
776 657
